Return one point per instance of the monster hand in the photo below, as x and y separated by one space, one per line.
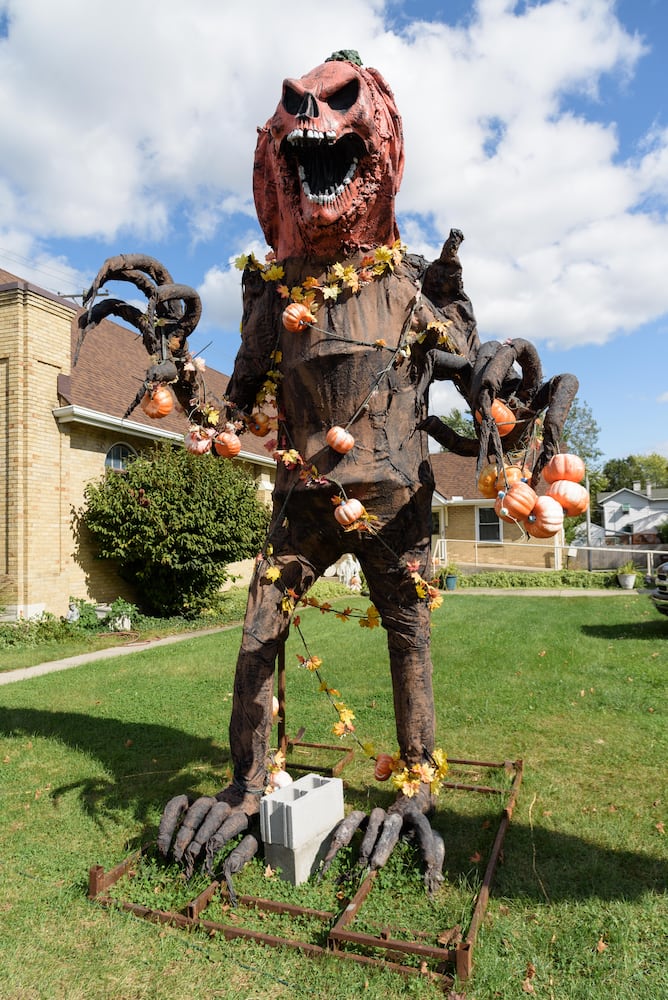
190 830
382 831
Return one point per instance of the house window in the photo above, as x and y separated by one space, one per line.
118 456
489 525
435 523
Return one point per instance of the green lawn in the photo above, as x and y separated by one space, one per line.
575 686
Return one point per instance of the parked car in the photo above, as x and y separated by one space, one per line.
660 595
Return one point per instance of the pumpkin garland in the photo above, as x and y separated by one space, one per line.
515 501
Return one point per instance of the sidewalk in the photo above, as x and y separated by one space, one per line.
22 674
135 647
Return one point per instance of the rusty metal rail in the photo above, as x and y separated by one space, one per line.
437 963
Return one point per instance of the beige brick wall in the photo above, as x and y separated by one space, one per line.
44 466
462 549
34 349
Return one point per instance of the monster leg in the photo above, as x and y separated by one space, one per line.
389 565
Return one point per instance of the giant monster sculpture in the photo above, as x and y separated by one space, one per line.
370 327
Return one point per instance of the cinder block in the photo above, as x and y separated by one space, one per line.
296 865
302 812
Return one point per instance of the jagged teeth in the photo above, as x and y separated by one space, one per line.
351 171
299 135
333 192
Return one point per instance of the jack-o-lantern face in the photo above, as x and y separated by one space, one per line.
328 164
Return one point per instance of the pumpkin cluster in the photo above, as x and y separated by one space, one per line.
516 501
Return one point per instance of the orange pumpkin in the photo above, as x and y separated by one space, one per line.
258 424
503 417
572 496
296 317
227 444
348 512
339 439
511 474
546 519
157 403
487 481
383 768
515 503
570 467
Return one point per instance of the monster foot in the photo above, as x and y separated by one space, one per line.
382 831
190 829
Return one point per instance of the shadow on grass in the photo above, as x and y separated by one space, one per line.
537 864
648 630
148 764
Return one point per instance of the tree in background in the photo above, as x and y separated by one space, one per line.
643 469
173 521
460 422
581 433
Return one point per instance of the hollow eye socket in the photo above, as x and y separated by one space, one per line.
291 100
345 97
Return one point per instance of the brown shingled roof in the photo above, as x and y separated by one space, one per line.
112 365
455 475
110 368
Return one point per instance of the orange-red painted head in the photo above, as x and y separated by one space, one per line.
328 164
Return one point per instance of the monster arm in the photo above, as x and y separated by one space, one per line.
259 337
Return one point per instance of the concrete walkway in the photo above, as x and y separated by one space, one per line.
22 674
10 676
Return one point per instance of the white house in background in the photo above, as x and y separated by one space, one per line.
634 512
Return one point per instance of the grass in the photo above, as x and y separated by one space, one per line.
36 643
575 686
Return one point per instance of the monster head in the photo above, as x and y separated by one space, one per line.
328 164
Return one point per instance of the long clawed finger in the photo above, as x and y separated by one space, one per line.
382 833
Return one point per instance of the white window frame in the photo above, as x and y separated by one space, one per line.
487 541
120 464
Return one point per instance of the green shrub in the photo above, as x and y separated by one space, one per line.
548 579
88 620
172 522
33 632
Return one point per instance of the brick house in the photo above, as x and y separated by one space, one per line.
59 429
466 530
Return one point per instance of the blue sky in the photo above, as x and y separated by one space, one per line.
538 128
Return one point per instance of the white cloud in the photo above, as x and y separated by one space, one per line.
663 398
23 256
140 111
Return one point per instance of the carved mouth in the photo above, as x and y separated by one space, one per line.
325 166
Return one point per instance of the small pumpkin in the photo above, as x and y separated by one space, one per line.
227 444
503 417
258 424
515 503
348 512
383 768
487 481
511 474
570 467
279 779
157 403
572 496
296 317
339 439
546 519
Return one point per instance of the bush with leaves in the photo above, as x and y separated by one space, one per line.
173 521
